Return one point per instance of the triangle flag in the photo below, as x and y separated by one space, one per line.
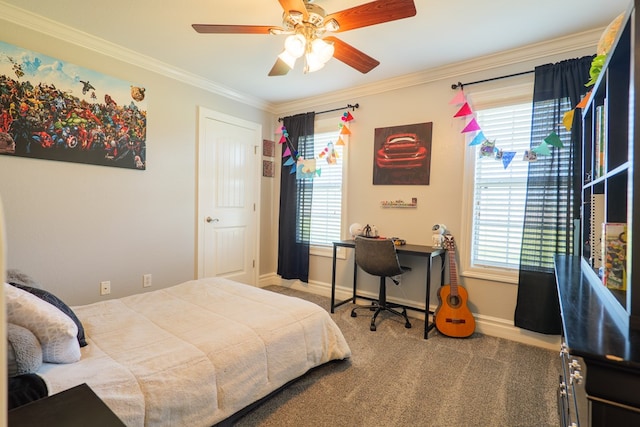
471 126
458 99
294 169
479 139
567 119
283 139
289 162
583 102
347 117
465 110
287 152
542 149
507 156
554 139
345 131
340 141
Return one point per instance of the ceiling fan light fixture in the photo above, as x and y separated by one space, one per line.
322 49
295 45
331 25
288 59
312 64
296 17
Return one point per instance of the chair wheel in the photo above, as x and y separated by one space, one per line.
407 325
372 328
353 314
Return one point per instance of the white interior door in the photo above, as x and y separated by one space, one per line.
228 194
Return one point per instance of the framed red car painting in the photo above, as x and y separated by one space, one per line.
402 155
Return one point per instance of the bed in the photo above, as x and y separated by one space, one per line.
196 353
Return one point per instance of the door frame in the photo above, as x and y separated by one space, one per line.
204 114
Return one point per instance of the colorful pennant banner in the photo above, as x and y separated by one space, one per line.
308 168
488 149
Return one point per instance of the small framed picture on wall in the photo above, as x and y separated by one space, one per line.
268 148
267 168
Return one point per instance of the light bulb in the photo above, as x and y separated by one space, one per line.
323 49
288 59
295 45
314 62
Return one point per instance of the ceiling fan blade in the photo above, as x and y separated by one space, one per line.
280 68
351 56
295 5
375 12
232 29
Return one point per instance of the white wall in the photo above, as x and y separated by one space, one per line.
71 225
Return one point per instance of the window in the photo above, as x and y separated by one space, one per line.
495 195
326 206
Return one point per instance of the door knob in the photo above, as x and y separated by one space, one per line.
209 219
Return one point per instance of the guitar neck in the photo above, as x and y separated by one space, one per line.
453 272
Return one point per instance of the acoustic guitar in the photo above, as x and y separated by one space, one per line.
452 316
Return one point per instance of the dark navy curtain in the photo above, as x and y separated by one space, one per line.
295 201
553 193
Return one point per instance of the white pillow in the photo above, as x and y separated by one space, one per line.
56 331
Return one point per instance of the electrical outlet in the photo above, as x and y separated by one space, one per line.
146 280
105 287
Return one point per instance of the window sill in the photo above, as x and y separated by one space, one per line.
327 251
492 274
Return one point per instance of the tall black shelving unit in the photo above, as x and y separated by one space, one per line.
601 326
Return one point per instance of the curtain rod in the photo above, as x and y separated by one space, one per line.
462 85
353 108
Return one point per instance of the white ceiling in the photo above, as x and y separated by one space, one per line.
441 33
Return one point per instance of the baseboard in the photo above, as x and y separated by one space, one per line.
487 325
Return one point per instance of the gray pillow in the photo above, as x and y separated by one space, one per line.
24 353
59 304
16 276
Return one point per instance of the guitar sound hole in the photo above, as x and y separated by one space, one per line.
454 301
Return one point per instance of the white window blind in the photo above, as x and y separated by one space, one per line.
499 192
326 204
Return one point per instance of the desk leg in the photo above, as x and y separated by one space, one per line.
355 279
426 299
333 280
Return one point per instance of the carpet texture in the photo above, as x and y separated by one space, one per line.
396 378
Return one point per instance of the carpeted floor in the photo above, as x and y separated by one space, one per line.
396 378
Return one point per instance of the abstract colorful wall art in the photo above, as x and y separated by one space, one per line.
54 110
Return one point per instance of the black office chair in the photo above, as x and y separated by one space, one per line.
378 257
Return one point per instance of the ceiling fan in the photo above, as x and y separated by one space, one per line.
307 24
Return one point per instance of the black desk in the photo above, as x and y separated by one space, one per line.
79 406
428 252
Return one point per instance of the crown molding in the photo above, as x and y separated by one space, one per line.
84 40
48 27
534 52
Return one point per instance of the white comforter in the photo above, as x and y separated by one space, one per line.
196 353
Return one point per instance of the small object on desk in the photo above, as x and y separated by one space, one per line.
398 242
355 229
437 239
78 406
370 231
